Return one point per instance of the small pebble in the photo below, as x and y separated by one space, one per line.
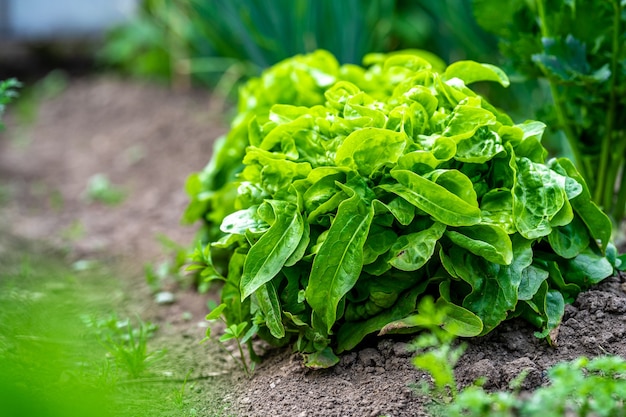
164 297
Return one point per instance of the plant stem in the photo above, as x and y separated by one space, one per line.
619 210
606 183
243 359
559 107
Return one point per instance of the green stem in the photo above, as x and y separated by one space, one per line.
619 210
243 359
606 183
559 106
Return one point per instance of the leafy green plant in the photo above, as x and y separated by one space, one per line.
8 92
436 353
343 194
582 387
241 333
578 48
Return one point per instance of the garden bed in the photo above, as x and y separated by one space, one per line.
145 140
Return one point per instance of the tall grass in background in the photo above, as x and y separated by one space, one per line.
220 42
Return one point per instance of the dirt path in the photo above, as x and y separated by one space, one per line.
146 140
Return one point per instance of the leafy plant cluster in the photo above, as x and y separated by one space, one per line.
583 387
578 47
342 195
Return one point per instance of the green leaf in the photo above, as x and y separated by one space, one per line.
338 263
568 289
459 321
434 199
411 252
539 193
483 146
270 306
569 240
244 220
367 149
532 278
566 60
466 120
269 254
402 210
350 334
497 209
456 182
494 287
216 313
321 359
379 240
587 268
471 72
597 222
490 242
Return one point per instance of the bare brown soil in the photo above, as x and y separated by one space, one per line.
146 140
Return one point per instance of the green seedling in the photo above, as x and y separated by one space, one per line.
127 345
100 189
179 395
583 387
436 352
240 333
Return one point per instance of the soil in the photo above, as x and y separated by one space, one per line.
146 139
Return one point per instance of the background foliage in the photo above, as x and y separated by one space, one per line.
205 40
578 49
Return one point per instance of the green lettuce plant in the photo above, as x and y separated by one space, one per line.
344 194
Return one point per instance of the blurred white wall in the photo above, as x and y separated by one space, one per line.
46 19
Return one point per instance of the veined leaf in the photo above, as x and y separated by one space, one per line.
494 287
367 149
434 199
489 241
267 256
539 194
270 306
471 72
412 251
466 120
338 263
597 222
569 240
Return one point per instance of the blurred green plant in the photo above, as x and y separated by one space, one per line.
578 49
436 352
99 188
64 354
8 92
126 344
583 387
221 42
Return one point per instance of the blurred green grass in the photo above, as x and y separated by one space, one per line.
61 335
